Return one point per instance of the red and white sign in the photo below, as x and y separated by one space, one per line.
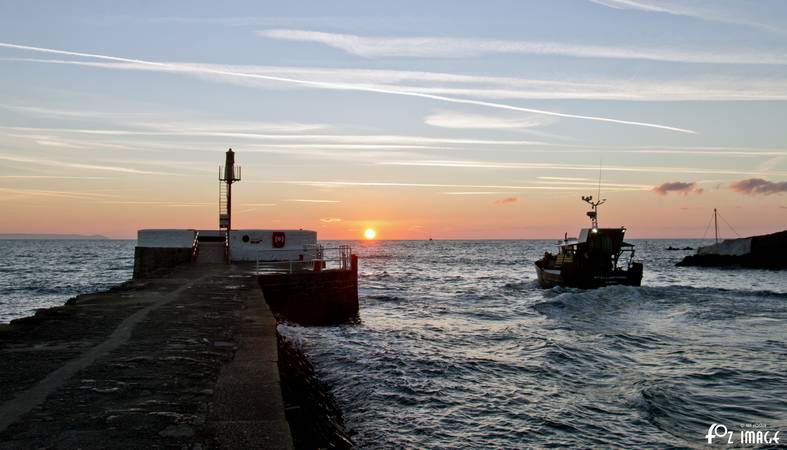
278 239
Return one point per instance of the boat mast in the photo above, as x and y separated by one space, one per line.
716 224
593 214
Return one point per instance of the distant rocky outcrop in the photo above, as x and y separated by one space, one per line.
763 252
33 236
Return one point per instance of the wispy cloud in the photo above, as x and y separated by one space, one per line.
165 123
712 11
707 88
712 151
450 119
506 201
469 164
330 219
564 178
680 187
467 188
52 193
72 114
447 47
53 163
265 21
352 147
51 177
159 203
474 193
605 185
370 140
309 200
239 127
758 186
191 69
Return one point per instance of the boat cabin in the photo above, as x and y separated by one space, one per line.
601 246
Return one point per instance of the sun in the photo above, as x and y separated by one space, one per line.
369 233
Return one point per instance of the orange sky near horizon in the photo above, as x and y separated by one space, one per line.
395 213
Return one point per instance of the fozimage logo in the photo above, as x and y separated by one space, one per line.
755 434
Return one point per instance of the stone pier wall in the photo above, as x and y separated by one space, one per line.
149 261
313 298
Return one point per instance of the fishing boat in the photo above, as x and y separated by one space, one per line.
598 257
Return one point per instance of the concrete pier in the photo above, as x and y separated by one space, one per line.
188 360
313 298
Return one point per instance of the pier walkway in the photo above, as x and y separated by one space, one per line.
186 361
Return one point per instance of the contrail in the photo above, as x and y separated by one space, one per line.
338 86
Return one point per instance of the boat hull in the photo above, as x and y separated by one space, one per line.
551 277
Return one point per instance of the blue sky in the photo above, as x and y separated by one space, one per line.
453 119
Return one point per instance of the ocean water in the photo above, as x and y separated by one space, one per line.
458 347
44 273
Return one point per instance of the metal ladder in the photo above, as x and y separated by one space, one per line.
222 198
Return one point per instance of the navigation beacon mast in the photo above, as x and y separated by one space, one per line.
228 174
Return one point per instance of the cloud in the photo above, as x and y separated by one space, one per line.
713 11
470 164
448 119
330 219
707 88
73 114
488 189
506 201
370 141
53 177
192 69
604 185
164 204
240 127
758 186
677 186
711 151
164 123
48 162
52 193
564 178
474 193
309 200
448 47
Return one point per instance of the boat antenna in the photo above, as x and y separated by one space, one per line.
593 213
599 178
716 224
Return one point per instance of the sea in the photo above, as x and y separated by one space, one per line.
458 347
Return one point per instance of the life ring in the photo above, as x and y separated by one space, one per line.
278 239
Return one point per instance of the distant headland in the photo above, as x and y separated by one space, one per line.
51 236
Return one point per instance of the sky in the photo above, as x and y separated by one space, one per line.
441 119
